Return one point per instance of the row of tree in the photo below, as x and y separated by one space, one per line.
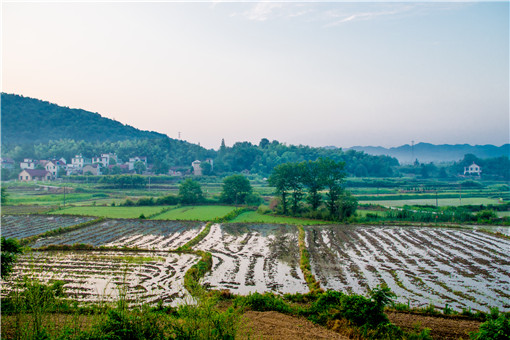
306 180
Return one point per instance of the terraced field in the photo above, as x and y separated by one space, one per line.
101 276
20 226
249 258
144 234
459 267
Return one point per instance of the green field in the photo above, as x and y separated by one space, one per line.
253 216
196 213
111 212
441 202
503 213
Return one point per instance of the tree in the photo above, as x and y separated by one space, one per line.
115 170
314 178
333 182
190 192
4 195
10 249
347 205
206 168
279 180
160 167
236 189
139 167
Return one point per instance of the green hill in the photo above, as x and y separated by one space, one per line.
31 121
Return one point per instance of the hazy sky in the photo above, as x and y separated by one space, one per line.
319 74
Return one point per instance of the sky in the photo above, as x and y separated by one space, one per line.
312 73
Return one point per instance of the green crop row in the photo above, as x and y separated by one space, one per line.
304 262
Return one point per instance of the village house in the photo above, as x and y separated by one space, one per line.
94 169
7 163
55 167
106 159
197 169
27 175
28 163
133 160
473 170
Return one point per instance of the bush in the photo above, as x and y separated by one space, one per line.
496 327
263 302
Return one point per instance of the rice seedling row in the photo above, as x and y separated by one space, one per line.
102 276
458 267
21 226
144 234
254 258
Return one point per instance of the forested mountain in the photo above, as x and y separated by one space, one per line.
33 128
27 120
426 152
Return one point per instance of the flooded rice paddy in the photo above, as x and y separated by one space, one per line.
144 234
21 226
463 268
102 276
459 267
250 258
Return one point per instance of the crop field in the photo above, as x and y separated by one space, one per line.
26 209
110 212
249 258
255 217
459 267
432 201
144 234
101 276
20 226
196 213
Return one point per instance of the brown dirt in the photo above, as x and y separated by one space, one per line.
278 326
441 327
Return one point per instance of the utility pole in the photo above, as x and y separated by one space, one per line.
436 199
149 183
64 195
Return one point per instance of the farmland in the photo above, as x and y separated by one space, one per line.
256 217
201 213
21 226
439 266
461 267
101 276
143 234
111 212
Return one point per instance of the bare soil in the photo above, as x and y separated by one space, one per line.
441 327
278 326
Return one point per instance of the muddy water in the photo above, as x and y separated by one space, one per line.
254 258
144 234
459 267
102 276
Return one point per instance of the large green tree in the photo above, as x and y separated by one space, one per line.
190 192
236 189
280 180
10 249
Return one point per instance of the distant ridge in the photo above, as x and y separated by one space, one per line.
426 152
30 121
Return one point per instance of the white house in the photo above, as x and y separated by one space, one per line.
28 163
473 169
197 169
78 162
54 166
105 159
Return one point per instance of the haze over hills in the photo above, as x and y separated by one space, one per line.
57 130
426 152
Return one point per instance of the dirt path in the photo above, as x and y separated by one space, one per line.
441 327
278 326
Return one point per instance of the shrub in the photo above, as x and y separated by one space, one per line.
263 302
495 328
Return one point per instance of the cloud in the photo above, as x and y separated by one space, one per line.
262 11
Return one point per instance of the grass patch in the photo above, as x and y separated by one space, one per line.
255 217
196 213
110 212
